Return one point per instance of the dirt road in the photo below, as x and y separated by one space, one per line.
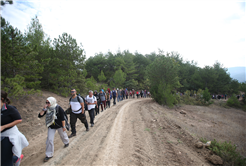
134 132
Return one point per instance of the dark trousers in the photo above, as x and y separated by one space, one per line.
73 120
108 103
92 115
7 154
103 103
114 99
98 106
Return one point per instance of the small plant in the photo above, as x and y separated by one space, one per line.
204 140
147 129
206 95
233 101
179 141
169 142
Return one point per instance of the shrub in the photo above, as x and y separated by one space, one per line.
227 152
206 95
233 101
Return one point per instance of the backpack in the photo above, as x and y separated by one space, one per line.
93 98
114 93
65 117
85 105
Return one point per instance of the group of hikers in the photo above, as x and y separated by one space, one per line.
13 141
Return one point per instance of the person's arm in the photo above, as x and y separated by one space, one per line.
63 125
11 124
43 112
82 105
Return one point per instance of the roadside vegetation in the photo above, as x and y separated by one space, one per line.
227 151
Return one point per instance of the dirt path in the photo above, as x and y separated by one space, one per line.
134 132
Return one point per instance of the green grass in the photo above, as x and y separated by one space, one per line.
146 129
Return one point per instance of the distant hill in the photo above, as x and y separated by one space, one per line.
238 73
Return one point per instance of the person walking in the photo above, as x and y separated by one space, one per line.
133 93
91 102
55 121
108 99
137 94
145 93
114 94
122 94
12 140
103 99
126 92
118 95
130 94
141 93
78 112
98 102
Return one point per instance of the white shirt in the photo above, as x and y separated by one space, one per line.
91 100
75 105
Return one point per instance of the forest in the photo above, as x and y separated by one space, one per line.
32 61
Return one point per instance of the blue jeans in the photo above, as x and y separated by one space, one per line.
118 98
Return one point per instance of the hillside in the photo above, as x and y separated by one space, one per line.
134 132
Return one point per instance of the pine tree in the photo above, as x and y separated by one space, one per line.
67 65
101 77
19 68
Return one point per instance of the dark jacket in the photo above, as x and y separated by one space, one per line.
60 117
9 114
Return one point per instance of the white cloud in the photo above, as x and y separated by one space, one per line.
203 31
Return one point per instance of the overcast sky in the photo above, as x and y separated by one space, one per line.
203 31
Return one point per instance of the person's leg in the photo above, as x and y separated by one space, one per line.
91 113
73 120
7 154
50 142
101 107
82 118
63 135
104 103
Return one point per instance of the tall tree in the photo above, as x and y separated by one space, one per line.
19 68
67 63
118 79
164 81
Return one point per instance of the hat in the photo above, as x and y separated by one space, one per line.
117 88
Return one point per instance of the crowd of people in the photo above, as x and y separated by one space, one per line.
13 141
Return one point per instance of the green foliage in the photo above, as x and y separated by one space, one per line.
233 101
101 77
118 79
91 83
203 140
206 95
242 88
162 74
227 152
18 62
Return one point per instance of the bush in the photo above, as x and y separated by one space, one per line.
206 95
227 152
233 101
